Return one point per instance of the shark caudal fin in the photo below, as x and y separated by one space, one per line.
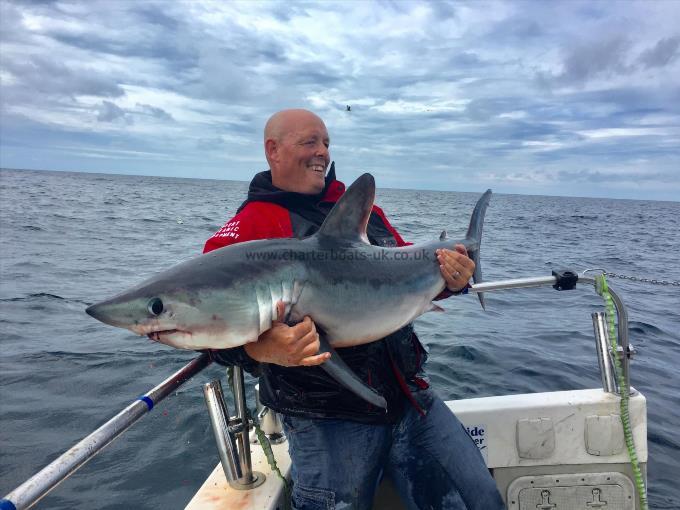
474 238
338 370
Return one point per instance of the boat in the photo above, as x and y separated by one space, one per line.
583 448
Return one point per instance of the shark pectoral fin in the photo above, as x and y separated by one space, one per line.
434 308
338 370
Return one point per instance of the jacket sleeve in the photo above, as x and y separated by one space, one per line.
388 225
235 356
258 220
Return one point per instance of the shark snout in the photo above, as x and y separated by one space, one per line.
110 313
99 312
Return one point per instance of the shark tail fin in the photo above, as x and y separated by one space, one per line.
474 239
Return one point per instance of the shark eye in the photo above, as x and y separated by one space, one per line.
155 306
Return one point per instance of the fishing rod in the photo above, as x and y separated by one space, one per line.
33 489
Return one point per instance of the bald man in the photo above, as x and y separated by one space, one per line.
341 446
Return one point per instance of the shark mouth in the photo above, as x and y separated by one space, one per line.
157 335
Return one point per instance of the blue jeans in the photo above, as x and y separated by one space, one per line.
432 461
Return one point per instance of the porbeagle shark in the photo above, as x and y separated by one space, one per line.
354 292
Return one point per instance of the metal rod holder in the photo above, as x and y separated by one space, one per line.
219 419
232 434
270 421
249 479
603 348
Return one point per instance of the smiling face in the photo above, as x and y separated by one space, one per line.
296 145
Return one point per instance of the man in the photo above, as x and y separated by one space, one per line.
340 445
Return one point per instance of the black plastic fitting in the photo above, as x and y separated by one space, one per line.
566 279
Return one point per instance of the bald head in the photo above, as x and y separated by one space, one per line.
282 123
296 146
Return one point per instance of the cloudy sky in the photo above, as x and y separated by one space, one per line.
559 98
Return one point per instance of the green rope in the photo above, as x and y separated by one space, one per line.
610 314
271 460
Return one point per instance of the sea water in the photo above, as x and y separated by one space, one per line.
71 239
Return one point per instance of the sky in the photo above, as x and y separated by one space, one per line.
540 97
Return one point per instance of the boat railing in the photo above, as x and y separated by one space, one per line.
232 434
566 280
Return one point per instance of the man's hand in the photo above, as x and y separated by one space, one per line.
288 346
456 267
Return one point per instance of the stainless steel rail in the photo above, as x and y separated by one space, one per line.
237 465
249 478
30 492
545 281
604 355
219 419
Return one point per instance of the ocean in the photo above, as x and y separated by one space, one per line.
71 239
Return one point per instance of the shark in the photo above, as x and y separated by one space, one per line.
354 292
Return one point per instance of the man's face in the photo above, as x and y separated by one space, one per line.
302 157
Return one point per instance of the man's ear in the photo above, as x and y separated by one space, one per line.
271 149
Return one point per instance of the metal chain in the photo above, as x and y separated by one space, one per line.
642 280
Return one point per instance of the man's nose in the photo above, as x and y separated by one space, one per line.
322 150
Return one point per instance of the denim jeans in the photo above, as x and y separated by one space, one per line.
431 460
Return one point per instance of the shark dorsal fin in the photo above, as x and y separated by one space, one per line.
349 216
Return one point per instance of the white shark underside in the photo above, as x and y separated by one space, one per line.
355 292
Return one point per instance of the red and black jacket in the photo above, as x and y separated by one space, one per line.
390 365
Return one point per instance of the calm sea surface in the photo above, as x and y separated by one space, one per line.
70 239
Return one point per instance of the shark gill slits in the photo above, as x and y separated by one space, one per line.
155 306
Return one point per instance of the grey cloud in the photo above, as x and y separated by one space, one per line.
11 21
441 10
288 10
631 101
517 29
229 70
145 41
662 54
311 73
224 75
210 144
598 58
155 16
153 111
162 48
489 107
597 176
467 60
47 75
110 112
